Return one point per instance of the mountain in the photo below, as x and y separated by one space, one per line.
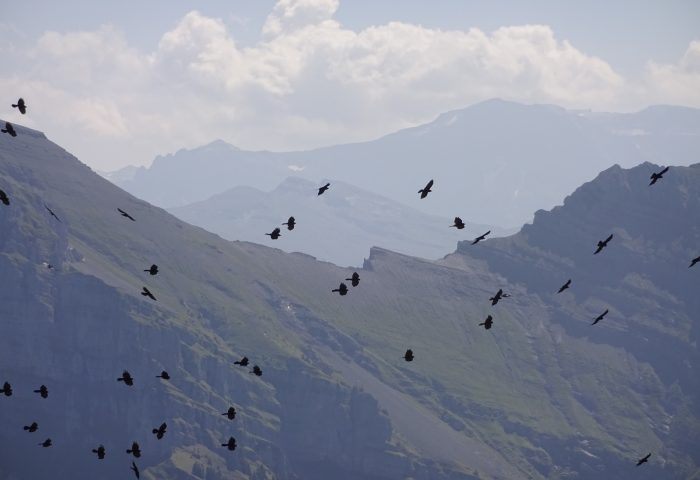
351 221
497 161
537 396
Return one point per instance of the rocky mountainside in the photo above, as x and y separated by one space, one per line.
530 398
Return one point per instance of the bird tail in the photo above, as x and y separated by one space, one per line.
26 427
155 430
3 130
335 290
14 105
37 391
120 379
236 363
94 451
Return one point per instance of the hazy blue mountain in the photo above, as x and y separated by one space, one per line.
498 162
340 226
540 395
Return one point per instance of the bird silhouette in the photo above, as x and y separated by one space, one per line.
164 375
52 213
565 286
135 469
694 261
275 234
655 177
32 428
6 389
644 459
4 198
147 293
126 215
480 238
153 270
354 279
231 444
602 244
323 189
160 431
408 356
46 443
126 378
135 450
47 265
600 317
100 451
21 106
257 371
290 223
426 190
230 413
9 129
458 223
487 323
499 295
342 289
243 362
43 391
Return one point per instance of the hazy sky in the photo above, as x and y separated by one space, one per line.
117 83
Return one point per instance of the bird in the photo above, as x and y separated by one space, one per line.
230 413
342 289
290 223
135 469
147 293
323 189
600 317
153 270
458 223
32 428
644 459
46 443
257 371
135 450
426 190
4 198
100 451
164 375
565 286
655 177
47 265
9 129
602 244
480 238
126 215
499 295
6 389
408 356
21 106
694 261
243 362
275 234
487 323
126 378
231 444
354 279
160 431
43 391
52 214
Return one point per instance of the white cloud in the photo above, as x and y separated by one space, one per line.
677 83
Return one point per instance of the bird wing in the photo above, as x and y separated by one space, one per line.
664 170
429 185
609 238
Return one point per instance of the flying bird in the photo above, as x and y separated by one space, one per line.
323 189
6 389
135 469
52 214
499 295
126 378
243 362
126 215
46 443
480 238
600 317
135 450
426 190
160 431
231 444
487 323
354 279
147 293
153 270
3 198
275 234
565 286
256 371
342 289
32 428
21 106
164 375
602 244
655 177
100 451
43 391
230 413
458 223
290 223
408 356
9 129
694 261
644 459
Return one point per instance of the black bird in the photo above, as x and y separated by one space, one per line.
290 223
243 362
52 214
126 215
43 391
160 431
499 295
9 129
21 106
231 444
487 323
323 189
47 265
480 238
644 459
458 223
230 413
6 389
135 469
4 198
256 371
600 317
694 261
126 378
147 293
32 428
354 279
655 177
100 451
426 190
153 270
602 244
46 443
275 234
135 450
342 289
164 375
408 356
565 286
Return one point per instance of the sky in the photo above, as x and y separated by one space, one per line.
118 83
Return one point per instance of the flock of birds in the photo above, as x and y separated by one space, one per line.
342 290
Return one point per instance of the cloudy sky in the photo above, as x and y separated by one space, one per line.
117 83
